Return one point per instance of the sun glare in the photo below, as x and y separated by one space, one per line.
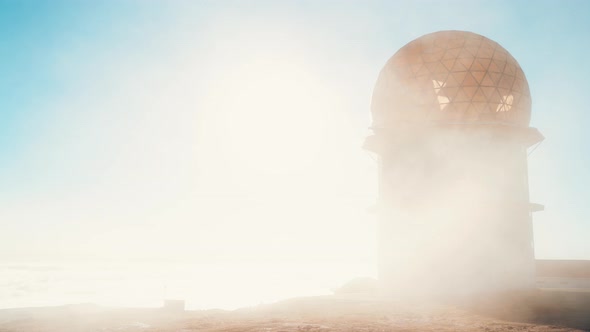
271 115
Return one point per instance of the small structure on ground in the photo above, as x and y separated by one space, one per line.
173 305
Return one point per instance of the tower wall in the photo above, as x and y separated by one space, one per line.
454 211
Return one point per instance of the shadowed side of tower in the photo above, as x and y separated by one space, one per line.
451 114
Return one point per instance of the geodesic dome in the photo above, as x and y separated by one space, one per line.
451 77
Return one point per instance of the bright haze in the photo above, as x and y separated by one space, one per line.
211 151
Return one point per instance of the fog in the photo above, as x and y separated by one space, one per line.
216 157
223 172
455 218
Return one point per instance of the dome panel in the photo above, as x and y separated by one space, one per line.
451 77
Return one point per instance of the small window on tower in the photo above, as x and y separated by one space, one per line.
506 104
443 100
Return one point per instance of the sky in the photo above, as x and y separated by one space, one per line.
209 131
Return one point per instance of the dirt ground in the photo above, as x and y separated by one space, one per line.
329 313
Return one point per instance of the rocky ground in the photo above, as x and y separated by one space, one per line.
330 313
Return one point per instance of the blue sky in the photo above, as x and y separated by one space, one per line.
105 110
